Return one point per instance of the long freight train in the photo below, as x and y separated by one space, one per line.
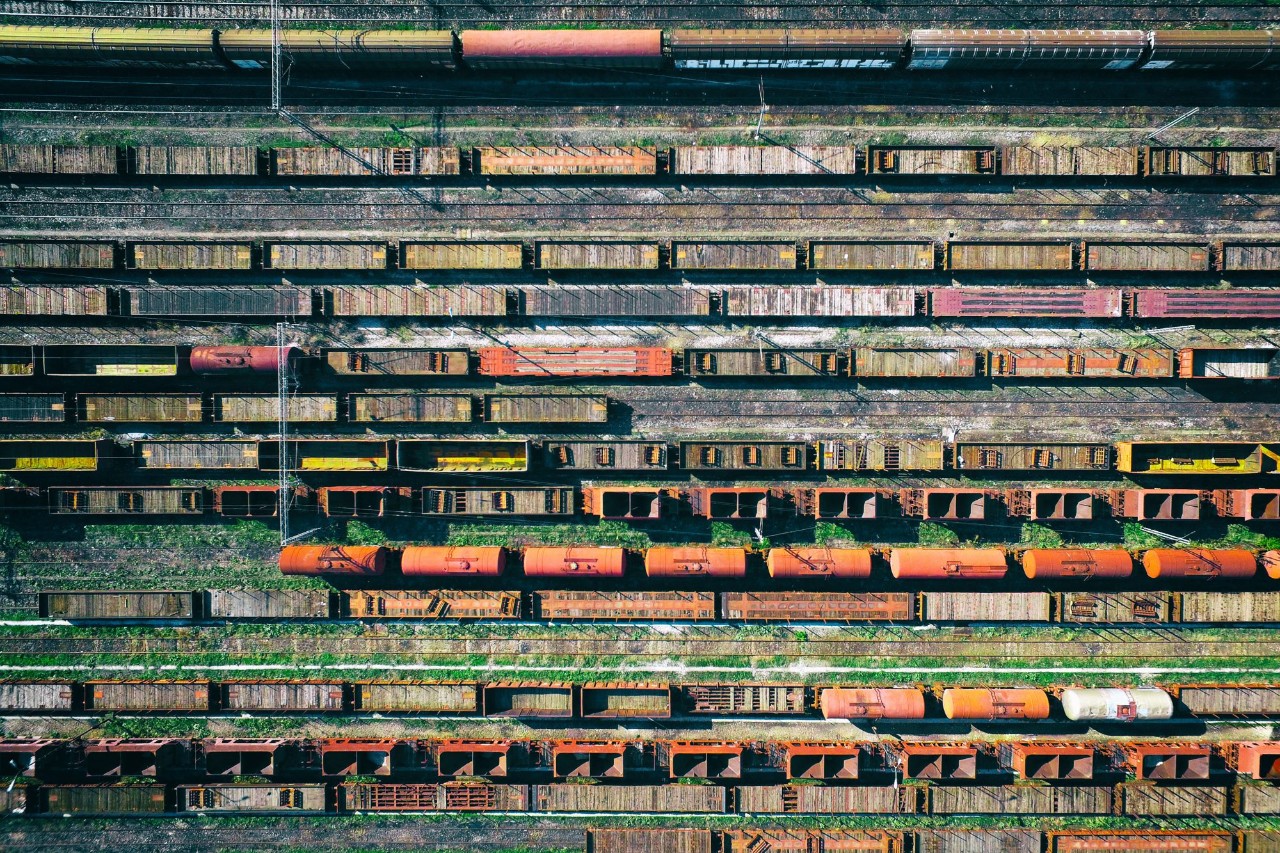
1024 777
146 361
1027 604
558 51
613 701
1235 256
741 458
884 162
492 304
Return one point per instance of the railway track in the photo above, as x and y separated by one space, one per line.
632 211
717 13
582 649
624 103
111 835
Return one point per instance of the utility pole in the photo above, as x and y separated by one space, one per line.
282 394
764 108
277 67
1167 125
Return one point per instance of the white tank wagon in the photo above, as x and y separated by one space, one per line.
1116 704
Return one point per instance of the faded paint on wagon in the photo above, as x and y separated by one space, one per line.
1028 457
327 256
821 799
887 255
819 606
115 605
394 300
497 501
408 407
282 696
220 301
597 255
1056 362
744 455
140 408
21 300
1009 256
214 454
640 799
819 301
926 160
878 454
606 455
398 362
1231 608
417 697
265 408
250 798
1209 162
765 160
765 362
432 604
565 160
35 696
366 161
641 300
1146 257
546 408
57 255
986 606
735 699
147 695
628 606
135 500
574 361
32 408
103 799
267 604
59 159
192 256
461 256
733 256
195 160
1069 160
903 362
1249 257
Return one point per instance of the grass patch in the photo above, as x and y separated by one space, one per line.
1136 537
1240 536
725 535
1039 536
240 534
603 533
359 533
937 536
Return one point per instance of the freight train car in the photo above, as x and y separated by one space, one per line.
372 51
264 303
